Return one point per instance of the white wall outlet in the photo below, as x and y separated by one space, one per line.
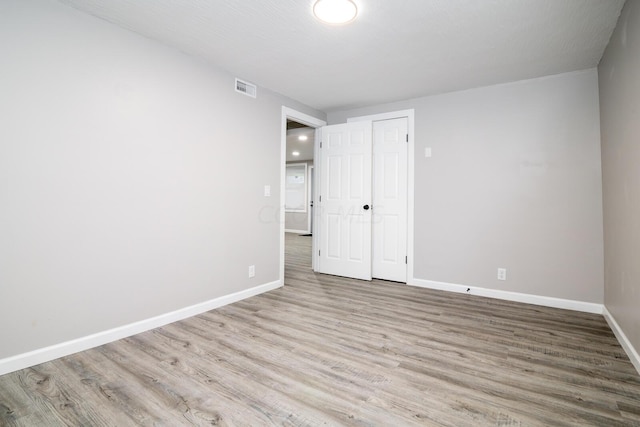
252 271
502 274
267 191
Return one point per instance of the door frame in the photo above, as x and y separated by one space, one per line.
310 195
306 119
410 115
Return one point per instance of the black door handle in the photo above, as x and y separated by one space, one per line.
366 207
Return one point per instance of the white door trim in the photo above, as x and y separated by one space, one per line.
310 198
315 242
410 115
289 113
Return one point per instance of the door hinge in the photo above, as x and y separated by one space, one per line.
406 260
320 144
407 137
319 199
318 252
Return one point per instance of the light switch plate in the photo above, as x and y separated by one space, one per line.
427 152
267 191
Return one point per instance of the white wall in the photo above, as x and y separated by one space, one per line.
130 183
620 105
514 182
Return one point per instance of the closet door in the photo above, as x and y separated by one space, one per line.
345 200
390 199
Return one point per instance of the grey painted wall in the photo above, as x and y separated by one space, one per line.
130 183
619 112
514 182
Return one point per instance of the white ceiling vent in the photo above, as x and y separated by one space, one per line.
246 88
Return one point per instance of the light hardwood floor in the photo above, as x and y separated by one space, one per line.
325 350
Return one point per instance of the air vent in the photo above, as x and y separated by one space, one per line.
246 88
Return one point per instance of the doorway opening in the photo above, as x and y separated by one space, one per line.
299 178
297 189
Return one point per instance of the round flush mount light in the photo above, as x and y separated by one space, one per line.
335 11
303 138
296 153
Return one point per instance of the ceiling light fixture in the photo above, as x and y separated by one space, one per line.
296 153
335 11
302 138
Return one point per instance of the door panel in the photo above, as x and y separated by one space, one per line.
334 179
390 200
391 229
356 238
390 175
334 235
356 179
345 188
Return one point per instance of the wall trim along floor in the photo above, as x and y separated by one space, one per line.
55 351
587 307
566 304
46 354
622 338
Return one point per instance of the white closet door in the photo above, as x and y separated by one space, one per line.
345 200
390 199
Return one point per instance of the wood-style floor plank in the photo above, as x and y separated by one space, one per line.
326 350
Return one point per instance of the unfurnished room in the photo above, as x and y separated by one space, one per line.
320 212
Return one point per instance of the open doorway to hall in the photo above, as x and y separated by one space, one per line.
299 178
299 145
299 194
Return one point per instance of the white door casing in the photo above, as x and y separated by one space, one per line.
311 198
389 217
345 197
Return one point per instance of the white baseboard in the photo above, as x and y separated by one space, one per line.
46 354
286 230
622 338
587 307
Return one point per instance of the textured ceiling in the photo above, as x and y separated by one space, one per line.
396 49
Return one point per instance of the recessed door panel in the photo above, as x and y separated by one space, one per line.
355 225
334 177
356 178
358 137
389 238
333 229
334 139
390 175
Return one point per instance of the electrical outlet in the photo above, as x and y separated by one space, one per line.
502 274
252 271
